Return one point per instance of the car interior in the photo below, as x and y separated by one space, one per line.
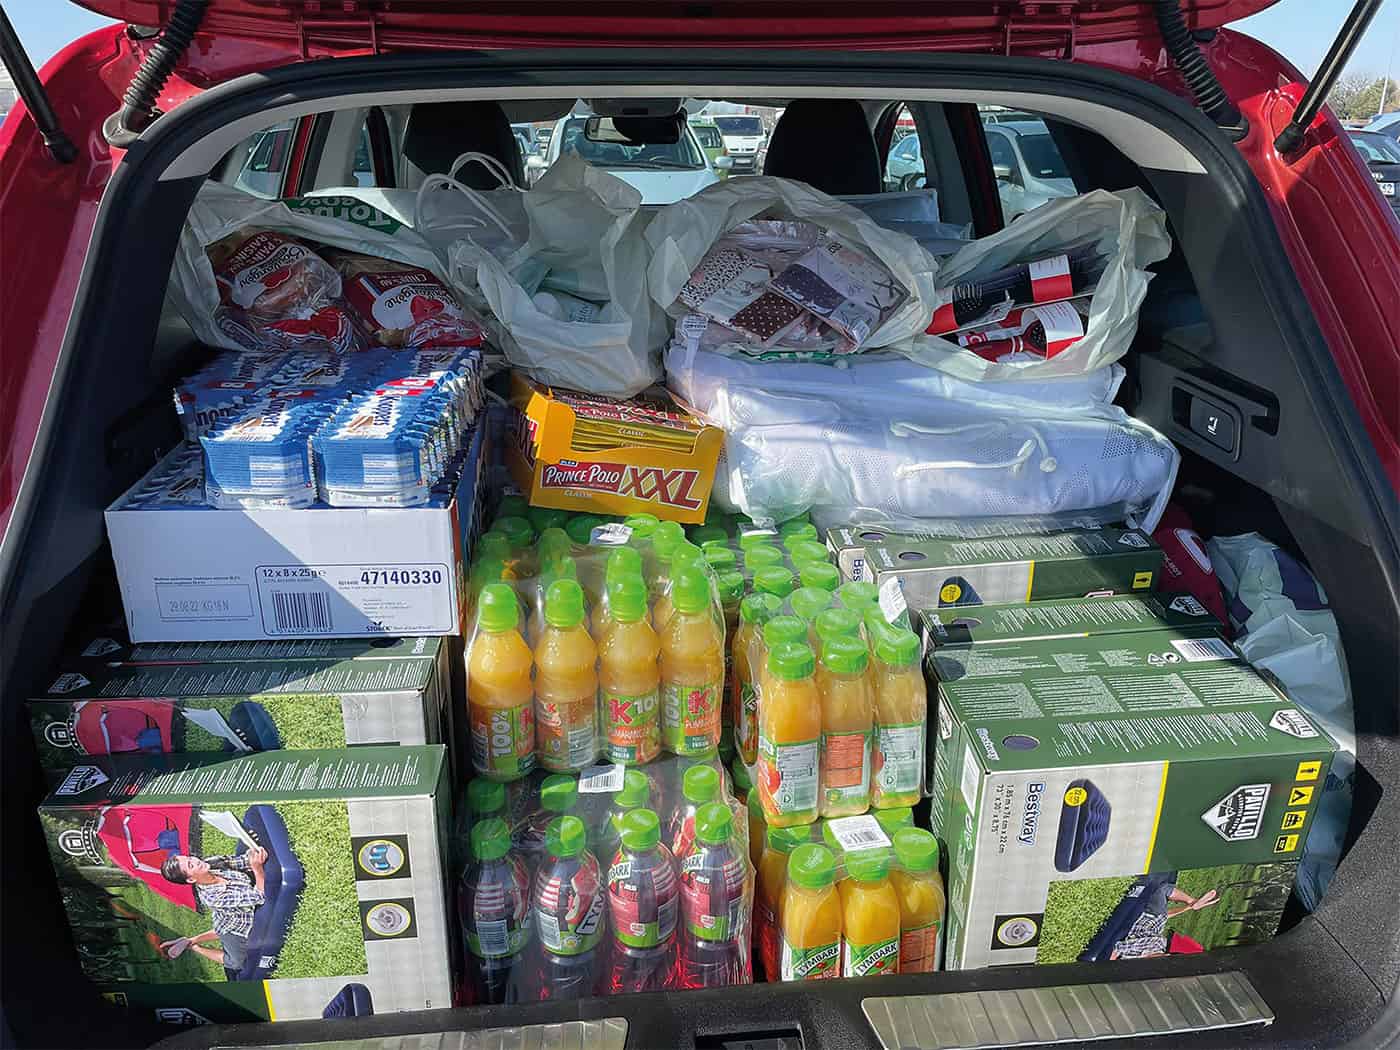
1223 322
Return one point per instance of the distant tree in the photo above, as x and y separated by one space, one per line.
1357 96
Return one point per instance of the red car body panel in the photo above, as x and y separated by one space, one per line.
1343 240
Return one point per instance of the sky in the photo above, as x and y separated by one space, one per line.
1301 30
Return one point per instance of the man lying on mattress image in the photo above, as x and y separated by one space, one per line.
1148 936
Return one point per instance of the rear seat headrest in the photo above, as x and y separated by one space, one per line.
440 132
827 144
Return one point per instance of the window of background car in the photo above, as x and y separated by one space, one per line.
258 163
1029 167
904 163
708 137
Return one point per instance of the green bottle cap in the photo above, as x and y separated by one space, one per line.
564 568
845 655
636 790
565 837
623 562
713 823
916 849
494 545
868 865
641 831
686 555
797 527
721 559
742 781
858 595
580 529
643 526
760 608
808 602
833 623
811 866
498 609
554 544
690 591
897 646
559 793
627 599
731 586
785 840
486 572
701 534
776 580
891 820
563 604
757 538
517 530
669 533
546 518
700 784
490 839
513 506
791 661
760 556
875 622
803 552
780 630
485 798
820 574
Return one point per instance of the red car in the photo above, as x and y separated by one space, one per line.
1275 318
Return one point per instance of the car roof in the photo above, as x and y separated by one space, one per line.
1383 121
1020 127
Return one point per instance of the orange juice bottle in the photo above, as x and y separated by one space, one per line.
566 683
622 563
820 574
692 668
499 693
810 949
869 916
772 866
684 555
630 679
664 541
563 569
775 579
922 902
754 612
847 718
789 731
901 708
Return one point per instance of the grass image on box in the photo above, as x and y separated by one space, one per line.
939 573
1125 762
238 707
1064 618
271 886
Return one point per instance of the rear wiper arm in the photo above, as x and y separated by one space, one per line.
33 95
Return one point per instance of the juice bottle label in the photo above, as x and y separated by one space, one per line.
634 730
690 717
569 909
918 949
810 964
642 903
768 937
566 734
845 767
503 740
870 960
899 759
712 887
787 776
746 719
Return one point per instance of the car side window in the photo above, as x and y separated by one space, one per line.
904 163
1029 168
373 163
258 164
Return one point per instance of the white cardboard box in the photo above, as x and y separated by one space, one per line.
199 574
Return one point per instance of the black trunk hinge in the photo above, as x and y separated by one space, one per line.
31 91
348 24
1038 23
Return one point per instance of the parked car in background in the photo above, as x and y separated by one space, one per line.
1382 156
524 138
1387 124
1027 164
262 167
663 172
711 141
743 138
904 167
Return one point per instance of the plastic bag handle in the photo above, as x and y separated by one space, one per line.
436 182
490 163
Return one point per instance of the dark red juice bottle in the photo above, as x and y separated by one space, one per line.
570 908
716 897
643 898
493 905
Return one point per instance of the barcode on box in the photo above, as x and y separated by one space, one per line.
1203 650
301 612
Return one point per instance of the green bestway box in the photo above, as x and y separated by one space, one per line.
352 913
112 647
1071 564
1063 618
1087 789
249 706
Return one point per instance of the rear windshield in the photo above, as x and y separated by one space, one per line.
1377 147
1043 160
740 125
615 155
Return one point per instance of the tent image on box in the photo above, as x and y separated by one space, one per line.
1084 817
353 1000
283 880
1144 890
138 840
145 726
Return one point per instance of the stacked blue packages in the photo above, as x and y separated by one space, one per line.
176 483
260 457
219 389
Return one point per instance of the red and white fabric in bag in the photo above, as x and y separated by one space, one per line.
1186 567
